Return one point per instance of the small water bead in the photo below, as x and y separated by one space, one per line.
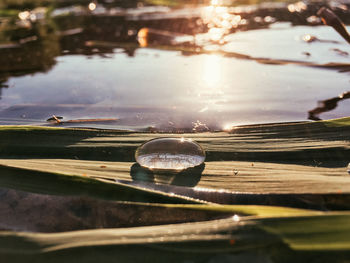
170 154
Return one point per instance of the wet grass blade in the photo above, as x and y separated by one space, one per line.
297 158
316 233
61 184
312 143
251 177
308 233
279 230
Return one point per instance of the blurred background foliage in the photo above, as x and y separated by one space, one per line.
23 4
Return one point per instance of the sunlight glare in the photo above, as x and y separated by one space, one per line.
211 75
92 6
227 127
219 20
216 34
218 2
24 15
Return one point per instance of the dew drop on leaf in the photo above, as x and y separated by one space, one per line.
170 154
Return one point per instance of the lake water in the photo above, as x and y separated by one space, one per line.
190 73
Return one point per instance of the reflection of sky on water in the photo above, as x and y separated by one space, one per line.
157 87
281 41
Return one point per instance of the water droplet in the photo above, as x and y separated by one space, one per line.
170 154
349 168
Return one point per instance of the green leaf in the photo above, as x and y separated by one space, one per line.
97 164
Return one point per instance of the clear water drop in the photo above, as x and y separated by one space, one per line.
170 154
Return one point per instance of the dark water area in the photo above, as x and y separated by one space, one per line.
173 65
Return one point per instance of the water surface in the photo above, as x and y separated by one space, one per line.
200 67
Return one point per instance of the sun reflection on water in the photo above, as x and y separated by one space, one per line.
92 6
219 20
212 73
210 88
